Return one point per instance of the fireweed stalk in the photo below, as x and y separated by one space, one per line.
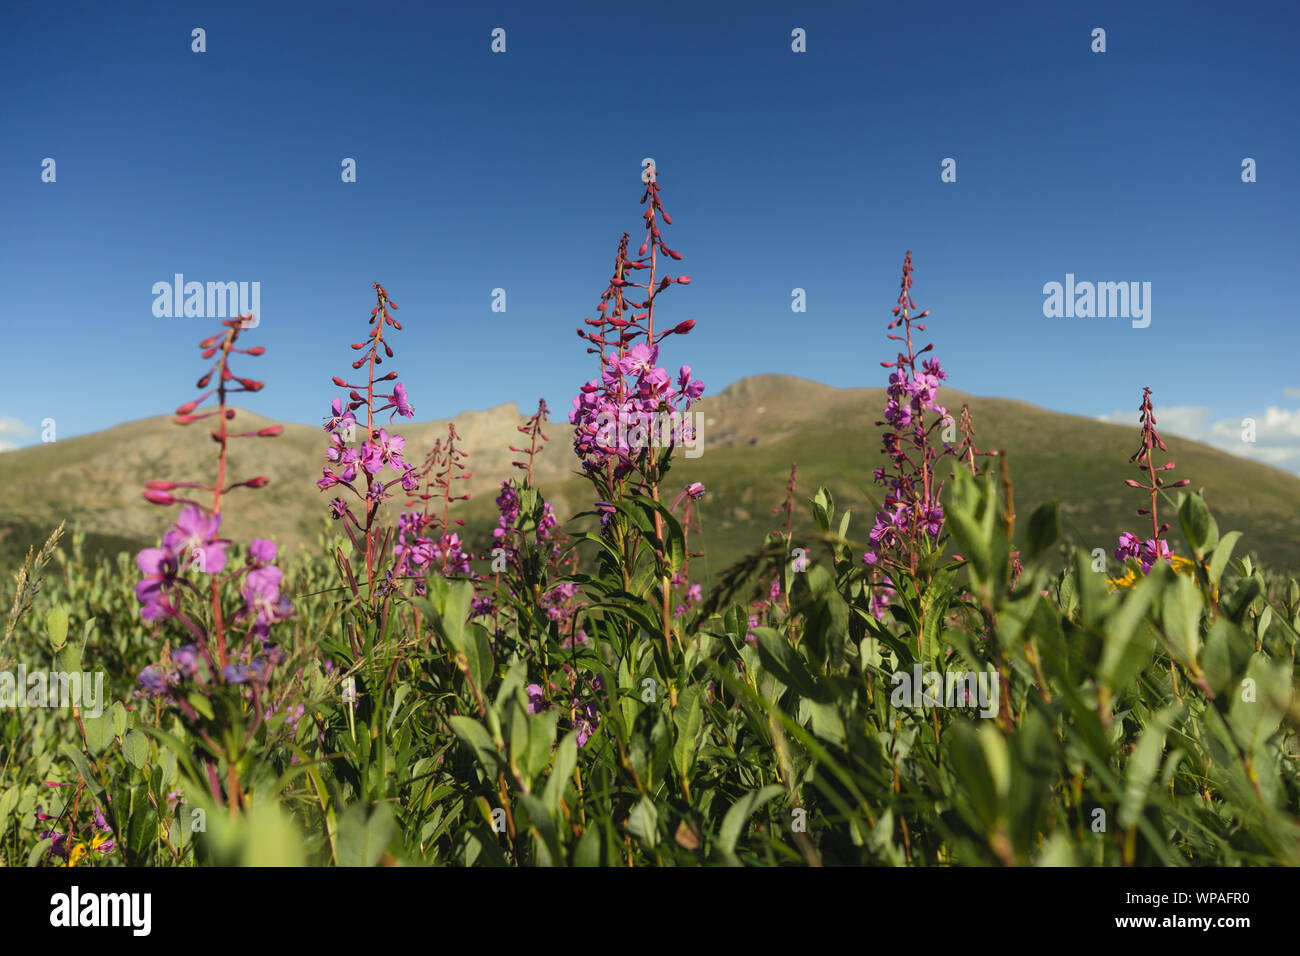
426 541
378 451
616 450
550 558
192 545
909 524
1154 548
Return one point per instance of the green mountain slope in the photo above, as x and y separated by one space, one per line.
752 431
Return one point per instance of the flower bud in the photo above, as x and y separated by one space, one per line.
158 497
270 431
683 280
257 350
187 408
158 485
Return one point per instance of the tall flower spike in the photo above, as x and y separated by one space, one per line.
1154 548
911 518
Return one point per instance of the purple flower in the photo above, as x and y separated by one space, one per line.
1153 550
186 659
536 699
339 418
1128 547
60 845
160 570
262 596
695 489
194 536
153 681
262 550
236 673
404 407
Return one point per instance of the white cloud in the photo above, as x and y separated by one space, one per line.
1277 431
11 428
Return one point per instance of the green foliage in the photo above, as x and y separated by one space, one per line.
988 717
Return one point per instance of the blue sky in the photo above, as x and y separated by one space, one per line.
520 170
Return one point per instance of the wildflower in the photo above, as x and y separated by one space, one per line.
153 681
195 536
161 577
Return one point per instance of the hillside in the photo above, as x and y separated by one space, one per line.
752 431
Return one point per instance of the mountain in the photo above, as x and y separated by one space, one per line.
751 432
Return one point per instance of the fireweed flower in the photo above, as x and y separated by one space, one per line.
193 539
192 544
161 576
378 449
911 518
1154 548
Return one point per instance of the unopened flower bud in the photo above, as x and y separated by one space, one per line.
158 497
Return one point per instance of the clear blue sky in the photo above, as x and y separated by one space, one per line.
520 170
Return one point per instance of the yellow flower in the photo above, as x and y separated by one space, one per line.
1129 579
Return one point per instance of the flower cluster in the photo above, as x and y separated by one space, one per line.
424 542
193 545
351 465
101 833
584 715
911 517
1155 548
634 405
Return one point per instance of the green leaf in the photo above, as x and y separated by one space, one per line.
1199 526
99 733
135 747
83 768
38 851
1144 763
566 759
688 720
364 834
733 824
56 627
1221 555
643 822
478 653
120 719
781 660
541 821
475 734
1044 530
